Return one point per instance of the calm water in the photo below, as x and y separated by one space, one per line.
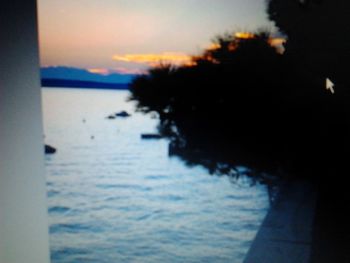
116 198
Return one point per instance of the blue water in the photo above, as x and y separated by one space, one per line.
113 197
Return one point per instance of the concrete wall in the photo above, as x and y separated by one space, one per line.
285 236
23 212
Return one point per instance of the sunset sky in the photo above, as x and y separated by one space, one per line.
127 36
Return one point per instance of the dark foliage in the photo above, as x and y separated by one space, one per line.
318 35
241 103
318 42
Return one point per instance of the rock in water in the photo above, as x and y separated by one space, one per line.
151 136
122 114
110 117
49 149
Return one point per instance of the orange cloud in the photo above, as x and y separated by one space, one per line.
277 41
102 71
244 35
154 59
213 46
273 41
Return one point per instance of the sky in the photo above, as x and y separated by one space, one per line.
128 36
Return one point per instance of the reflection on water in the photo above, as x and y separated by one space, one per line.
114 197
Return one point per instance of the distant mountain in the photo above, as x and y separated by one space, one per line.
76 76
82 84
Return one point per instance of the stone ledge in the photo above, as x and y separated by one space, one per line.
285 235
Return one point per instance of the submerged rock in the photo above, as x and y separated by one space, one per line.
150 136
123 114
49 149
110 117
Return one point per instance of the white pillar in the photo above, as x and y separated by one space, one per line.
23 211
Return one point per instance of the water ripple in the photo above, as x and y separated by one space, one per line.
124 186
74 228
58 209
118 198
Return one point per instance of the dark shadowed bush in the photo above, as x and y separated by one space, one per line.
241 103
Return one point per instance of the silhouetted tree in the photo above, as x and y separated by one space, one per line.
241 102
318 42
318 35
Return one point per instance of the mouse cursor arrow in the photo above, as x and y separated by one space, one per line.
330 85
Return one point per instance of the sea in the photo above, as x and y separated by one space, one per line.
115 197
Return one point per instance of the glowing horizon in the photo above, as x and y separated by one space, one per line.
155 59
129 36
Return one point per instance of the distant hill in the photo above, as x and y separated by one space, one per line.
64 83
76 77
